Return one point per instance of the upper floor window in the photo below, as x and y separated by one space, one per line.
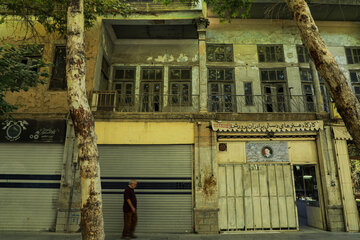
151 89
352 55
124 84
355 81
219 52
32 56
180 86
270 53
274 88
325 95
308 89
302 53
249 100
221 90
58 79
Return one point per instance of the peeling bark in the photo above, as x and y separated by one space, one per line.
345 101
92 223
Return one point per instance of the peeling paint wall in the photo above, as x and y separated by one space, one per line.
172 52
245 35
41 99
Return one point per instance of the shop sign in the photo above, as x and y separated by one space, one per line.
267 152
29 130
273 126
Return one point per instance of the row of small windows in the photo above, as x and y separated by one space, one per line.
215 53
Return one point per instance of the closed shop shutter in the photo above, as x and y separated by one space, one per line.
29 186
164 175
256 197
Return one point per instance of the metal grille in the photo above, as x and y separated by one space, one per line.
256 197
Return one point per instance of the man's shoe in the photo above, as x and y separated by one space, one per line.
125 237
133 236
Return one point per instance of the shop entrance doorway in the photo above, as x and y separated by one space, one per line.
307 196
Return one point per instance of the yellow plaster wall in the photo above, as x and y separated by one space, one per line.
235 153
41 99
144 132
302 152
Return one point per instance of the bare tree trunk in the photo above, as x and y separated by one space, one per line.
92 224
345 101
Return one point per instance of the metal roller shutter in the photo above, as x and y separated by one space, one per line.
164 174
29 186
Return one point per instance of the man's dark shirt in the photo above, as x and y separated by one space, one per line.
129 194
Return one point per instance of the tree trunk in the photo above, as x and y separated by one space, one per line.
345 101
92 224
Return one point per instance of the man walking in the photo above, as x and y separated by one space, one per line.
129 209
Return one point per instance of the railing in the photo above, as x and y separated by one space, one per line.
112 101
261 103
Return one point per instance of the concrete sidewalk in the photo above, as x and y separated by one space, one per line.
305 234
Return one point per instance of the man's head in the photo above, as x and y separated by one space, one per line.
133 183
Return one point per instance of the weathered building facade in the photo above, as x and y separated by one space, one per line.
226 126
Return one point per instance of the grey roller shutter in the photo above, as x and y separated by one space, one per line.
164 174
29 186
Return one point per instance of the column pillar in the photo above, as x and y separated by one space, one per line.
202 24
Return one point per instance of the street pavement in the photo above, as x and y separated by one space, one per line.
304 234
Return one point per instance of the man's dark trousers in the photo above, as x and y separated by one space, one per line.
130 221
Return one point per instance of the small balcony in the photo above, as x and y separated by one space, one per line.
113 102
261 103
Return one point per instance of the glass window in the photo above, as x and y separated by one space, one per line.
151 89
352 55
180 86
248 94
219 52
272 75
274 89
124 84
221 90
58 79
270 53
355 81
302 53
306 187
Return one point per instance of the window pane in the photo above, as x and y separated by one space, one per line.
219 74
228 74
247 88
158 74
264 75
212 74
146 88
157 88
130 74
175 74
214 88
174 88
354 77
280 75
119 74
58 80
145 74
151 74
227 88
272 75
185 74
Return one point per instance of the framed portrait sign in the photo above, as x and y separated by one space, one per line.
267 152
